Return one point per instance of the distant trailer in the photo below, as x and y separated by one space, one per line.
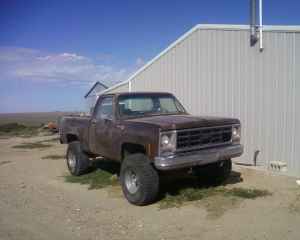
215 70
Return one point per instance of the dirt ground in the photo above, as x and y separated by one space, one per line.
37 203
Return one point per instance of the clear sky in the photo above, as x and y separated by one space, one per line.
51 52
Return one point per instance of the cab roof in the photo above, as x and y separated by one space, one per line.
138 94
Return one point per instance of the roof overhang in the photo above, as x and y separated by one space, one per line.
225 27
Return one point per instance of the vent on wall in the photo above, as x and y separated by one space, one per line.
278 166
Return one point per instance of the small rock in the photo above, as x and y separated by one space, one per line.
140 225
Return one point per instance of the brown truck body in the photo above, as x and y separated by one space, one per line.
200 140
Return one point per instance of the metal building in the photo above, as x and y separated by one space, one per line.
213 70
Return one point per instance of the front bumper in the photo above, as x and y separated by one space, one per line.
195 158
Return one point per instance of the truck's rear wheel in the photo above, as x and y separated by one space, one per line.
139 180
215 172
78 162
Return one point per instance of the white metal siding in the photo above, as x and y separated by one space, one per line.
120 88
216 72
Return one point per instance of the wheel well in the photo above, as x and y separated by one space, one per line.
71 138
130 148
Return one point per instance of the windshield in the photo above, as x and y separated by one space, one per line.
140 105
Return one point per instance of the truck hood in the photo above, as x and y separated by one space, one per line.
172 122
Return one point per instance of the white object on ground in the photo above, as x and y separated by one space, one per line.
298 182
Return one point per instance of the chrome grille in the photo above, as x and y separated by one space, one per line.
203 137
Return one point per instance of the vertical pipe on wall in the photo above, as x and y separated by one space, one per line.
260 26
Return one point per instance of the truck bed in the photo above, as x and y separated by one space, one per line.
74 125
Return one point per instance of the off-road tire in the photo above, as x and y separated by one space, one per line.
148 179
81 160
215 173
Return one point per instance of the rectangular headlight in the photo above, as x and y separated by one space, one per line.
236 133
167 142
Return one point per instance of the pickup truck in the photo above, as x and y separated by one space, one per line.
149 133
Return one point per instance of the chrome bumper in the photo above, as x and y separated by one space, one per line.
201 157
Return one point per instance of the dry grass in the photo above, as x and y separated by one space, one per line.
32 145
15 129
96 180
195 194
215 199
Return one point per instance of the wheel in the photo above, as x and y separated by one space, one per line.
214 173
139 179
77 161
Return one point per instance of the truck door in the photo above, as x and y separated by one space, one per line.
100 132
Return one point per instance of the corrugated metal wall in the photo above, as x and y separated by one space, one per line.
297 101
216 72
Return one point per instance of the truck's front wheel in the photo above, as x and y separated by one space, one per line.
140 181
77 161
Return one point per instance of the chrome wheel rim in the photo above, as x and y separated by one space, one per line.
131 181
71 161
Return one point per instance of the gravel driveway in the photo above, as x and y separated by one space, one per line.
37 203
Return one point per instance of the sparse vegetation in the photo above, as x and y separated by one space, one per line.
32 119
32 145
51 140
15 129
216 200
96 180
193 194
4 162
54 157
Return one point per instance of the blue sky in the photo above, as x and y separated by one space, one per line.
51 52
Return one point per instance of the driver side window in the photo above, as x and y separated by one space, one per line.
105 109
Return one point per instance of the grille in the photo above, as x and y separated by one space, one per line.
203 137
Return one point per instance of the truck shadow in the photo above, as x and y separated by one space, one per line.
175 185
106 165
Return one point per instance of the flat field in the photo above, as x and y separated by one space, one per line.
31 119
40 200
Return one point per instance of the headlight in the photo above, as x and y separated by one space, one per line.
167 142
236 133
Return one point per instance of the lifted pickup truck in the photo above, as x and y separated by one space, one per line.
149 133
